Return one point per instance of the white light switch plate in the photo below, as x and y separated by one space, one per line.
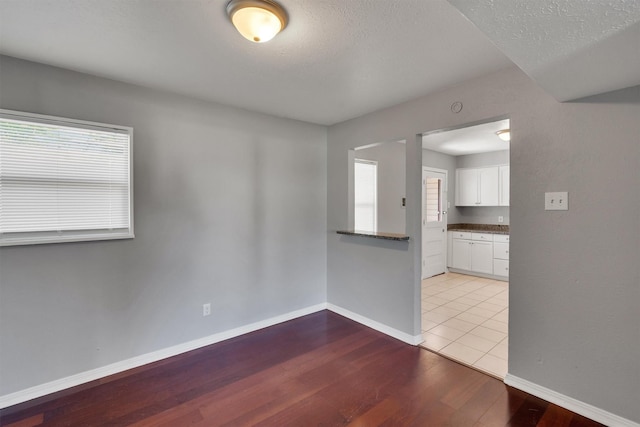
556 201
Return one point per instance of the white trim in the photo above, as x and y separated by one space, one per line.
43 118
444 171
134 362
478 274
577 406
42 240
387 330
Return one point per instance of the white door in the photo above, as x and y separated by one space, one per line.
434 222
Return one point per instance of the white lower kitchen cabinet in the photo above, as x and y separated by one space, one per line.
501 255
472 251
501 267
482 257
478 253
461 254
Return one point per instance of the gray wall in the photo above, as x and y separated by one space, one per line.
482 214
574 276
391 184
230 208
215 222
373 278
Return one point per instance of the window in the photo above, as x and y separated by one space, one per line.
63 180
432 201
365 191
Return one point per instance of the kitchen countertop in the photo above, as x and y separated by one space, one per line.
480 228
375 235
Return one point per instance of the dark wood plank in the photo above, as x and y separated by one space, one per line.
476 406
321 369
529 413
503 408
556 416
35 420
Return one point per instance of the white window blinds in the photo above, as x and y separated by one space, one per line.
365 175
63 180
432 203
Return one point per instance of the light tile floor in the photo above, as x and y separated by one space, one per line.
466 319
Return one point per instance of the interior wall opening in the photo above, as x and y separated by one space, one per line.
465 244
377 188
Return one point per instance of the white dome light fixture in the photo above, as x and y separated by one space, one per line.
257 20
504 134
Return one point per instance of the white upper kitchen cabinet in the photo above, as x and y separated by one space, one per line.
478 186
504 185
466 187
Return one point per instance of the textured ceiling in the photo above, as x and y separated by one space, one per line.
335 60
475 139
571 48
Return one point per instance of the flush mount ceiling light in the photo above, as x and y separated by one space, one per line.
504 134
257 20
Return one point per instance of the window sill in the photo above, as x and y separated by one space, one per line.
20 241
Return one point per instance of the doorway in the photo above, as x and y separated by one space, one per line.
465 308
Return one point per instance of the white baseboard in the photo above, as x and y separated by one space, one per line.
134 362
387 330
475 273
577 406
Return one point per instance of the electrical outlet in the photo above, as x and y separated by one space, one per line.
500 219
556 201
206 309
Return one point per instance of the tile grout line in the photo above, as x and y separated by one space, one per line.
451 293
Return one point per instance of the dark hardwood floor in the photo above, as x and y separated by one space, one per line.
319 370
